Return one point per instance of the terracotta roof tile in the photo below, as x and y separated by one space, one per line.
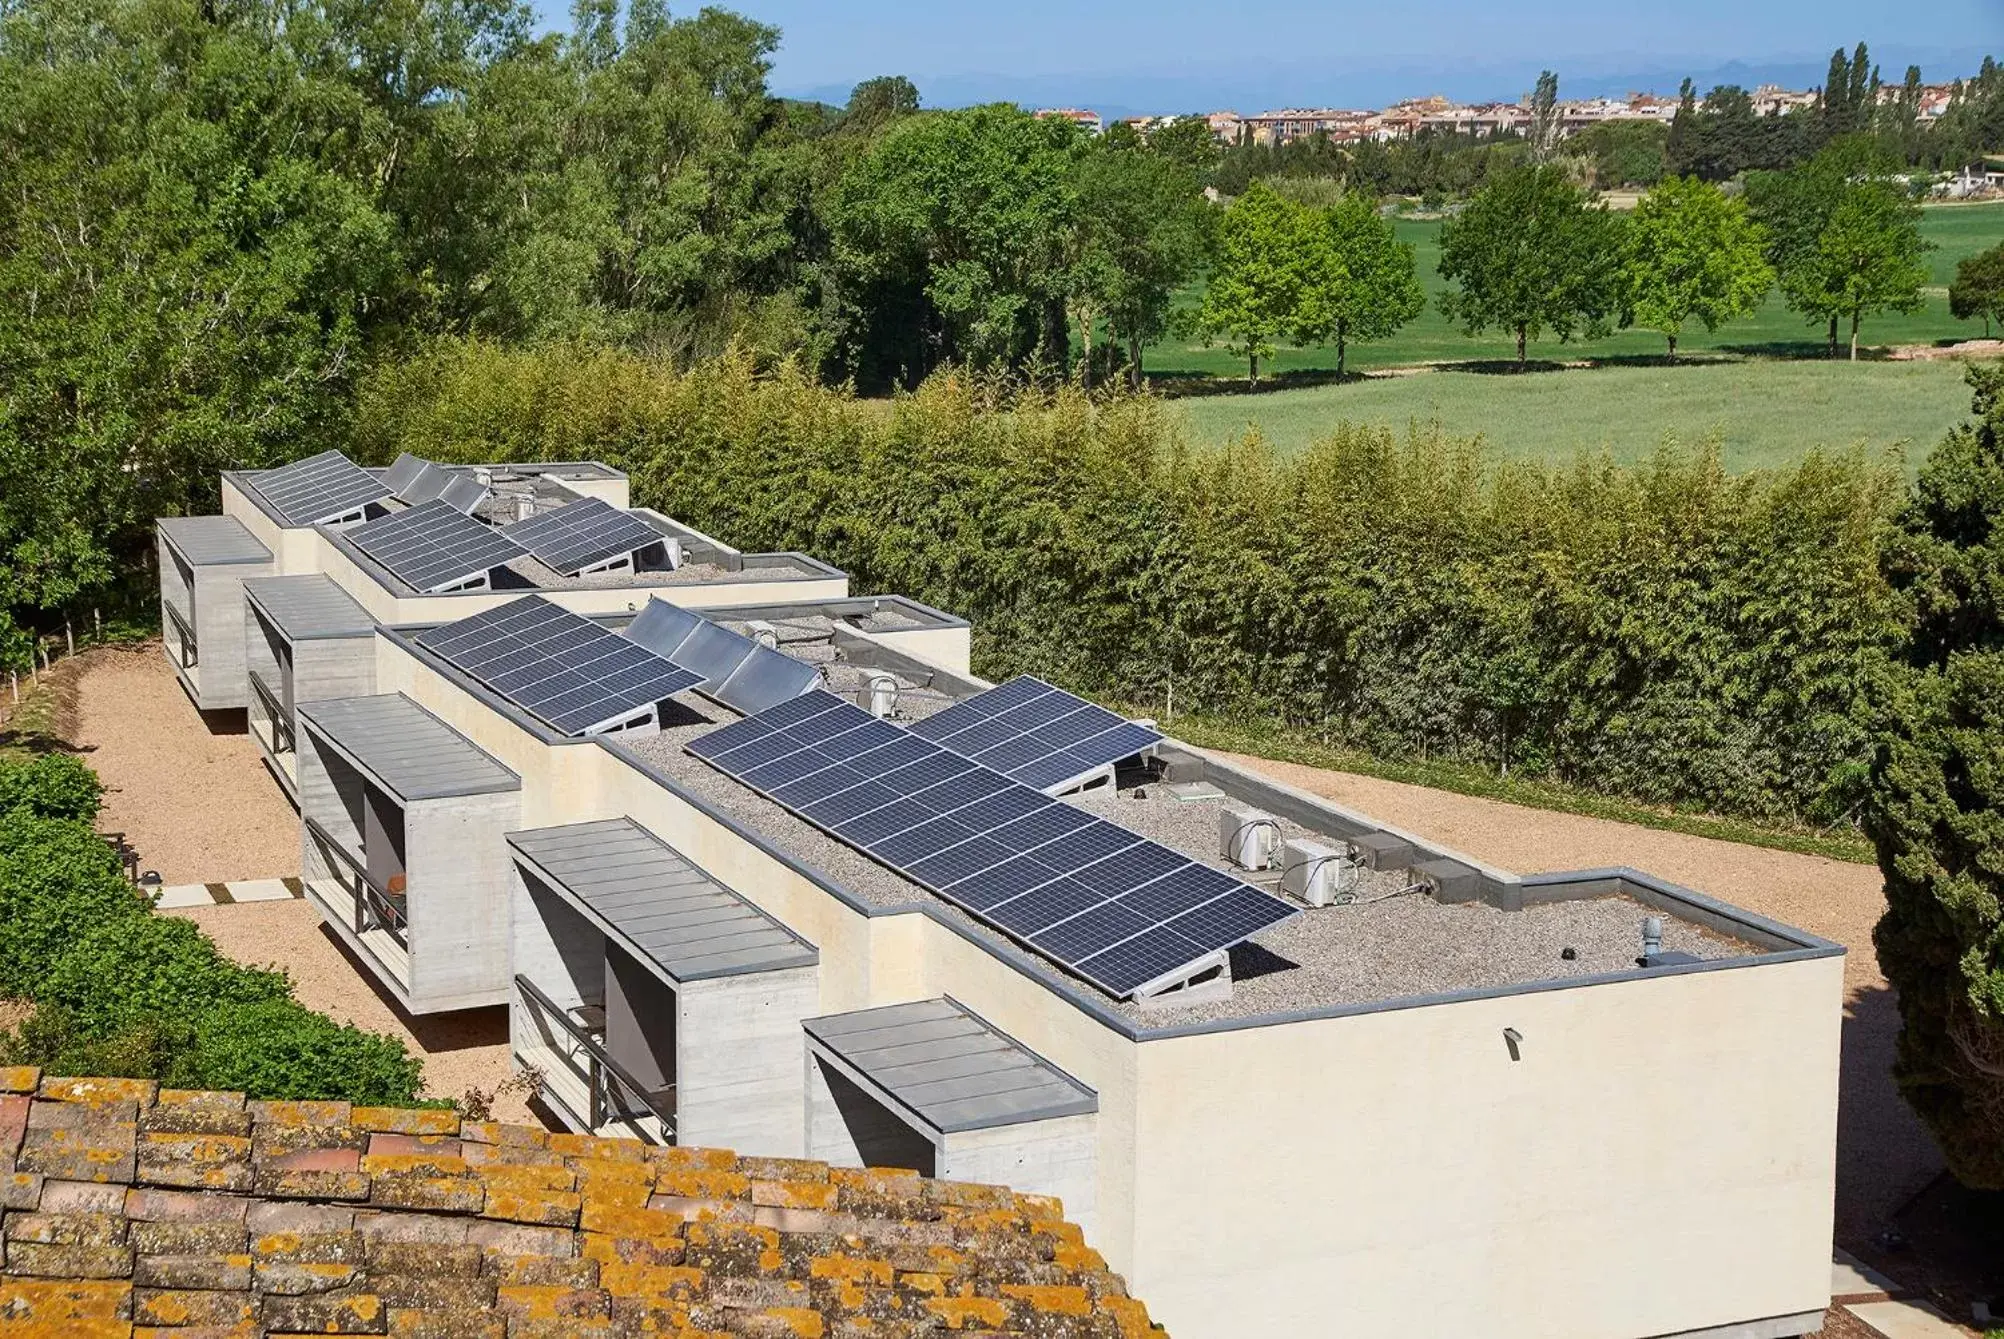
132 1211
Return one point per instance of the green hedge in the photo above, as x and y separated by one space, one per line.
122 991
1671 634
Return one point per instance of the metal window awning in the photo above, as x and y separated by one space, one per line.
642 893
947 1067
306 608
206 541
405 749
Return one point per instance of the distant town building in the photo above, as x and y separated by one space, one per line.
1078 116
1225 126
1773 100
1284 127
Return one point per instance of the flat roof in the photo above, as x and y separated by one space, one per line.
949 1067
642 891
410 752
306 608
212 540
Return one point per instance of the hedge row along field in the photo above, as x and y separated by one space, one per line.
121 991
1670 633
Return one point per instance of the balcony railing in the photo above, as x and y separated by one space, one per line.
282 737
375 908
187 652
614 1096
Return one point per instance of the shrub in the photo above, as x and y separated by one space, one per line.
122 991
1937 808
1670 633
53 785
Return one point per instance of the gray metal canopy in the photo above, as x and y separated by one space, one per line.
308 607
212 540
642 892
948 1067
408 751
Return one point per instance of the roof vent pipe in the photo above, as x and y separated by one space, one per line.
881 693
1652 938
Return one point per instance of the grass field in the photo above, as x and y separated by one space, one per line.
1763 411
1758 386
1955 230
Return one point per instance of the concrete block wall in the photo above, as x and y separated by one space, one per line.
739 1080
1043 1157
459 899
219 632
848 1127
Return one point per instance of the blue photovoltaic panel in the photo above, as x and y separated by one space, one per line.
736 670
403 471
582 534
1115 908
1031 732
433 546
560 667
319 488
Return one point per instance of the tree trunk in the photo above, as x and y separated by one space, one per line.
1833 336
1673 348
1342 343
1085 325
1854 336
1252 378
1134 362
1520 348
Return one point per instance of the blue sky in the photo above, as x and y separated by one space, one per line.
1174 55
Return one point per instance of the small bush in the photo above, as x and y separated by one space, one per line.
124 992
52 785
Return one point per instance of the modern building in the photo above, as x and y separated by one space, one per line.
780 873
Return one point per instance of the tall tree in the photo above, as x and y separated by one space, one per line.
1937 790
1187 141
1978 289
1691 253
1546 129
1796 208
1136 235
1255 288
1367 287
1531 253
1866 260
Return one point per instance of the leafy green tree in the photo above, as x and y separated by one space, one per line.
1690 253
1254 294
1137 234
1937 792
1187 140
1867 259
1546 130
1366 288
964 213
1531 253
877 102
1978 289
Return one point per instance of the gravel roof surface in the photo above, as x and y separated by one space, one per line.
811 638
1389 945
688 574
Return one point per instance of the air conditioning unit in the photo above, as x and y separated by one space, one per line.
762 632
1313 872
879 696
1248 837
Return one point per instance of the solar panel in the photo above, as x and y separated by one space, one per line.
736 670
319 488
1113 907
583 534
464 493
1036 734
426 485
560 667
434 547
403 471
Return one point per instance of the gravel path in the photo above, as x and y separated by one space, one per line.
198 806
1884 1154
461 1050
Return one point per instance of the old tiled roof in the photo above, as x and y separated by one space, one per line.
132 1211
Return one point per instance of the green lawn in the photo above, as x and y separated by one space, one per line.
1764 411
1956 231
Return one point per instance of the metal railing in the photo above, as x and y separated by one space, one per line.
283 739
614 1096
375 908
187 651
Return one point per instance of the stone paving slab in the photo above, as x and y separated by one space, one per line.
1906 1320
1851 1279
237 890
